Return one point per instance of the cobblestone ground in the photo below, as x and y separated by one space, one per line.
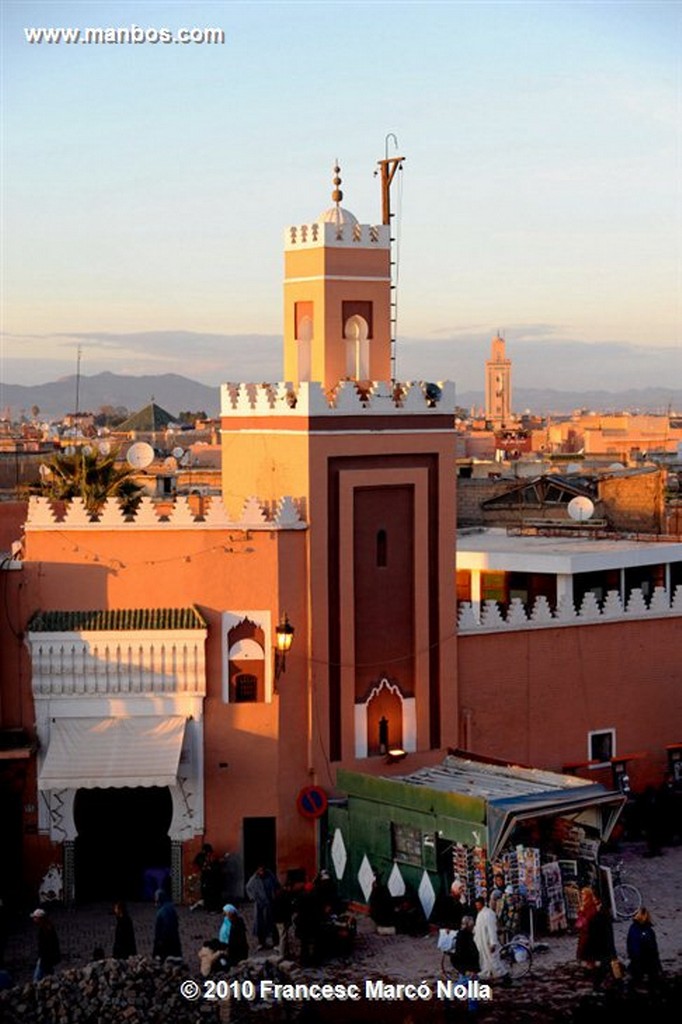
556 989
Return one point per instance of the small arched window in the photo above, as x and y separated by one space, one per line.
356 333
245 689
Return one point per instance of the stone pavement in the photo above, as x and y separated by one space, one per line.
398 958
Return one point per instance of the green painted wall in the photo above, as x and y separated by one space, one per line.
375 804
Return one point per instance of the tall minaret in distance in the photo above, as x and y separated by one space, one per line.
498 384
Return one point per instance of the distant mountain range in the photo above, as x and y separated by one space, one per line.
177 393
169 390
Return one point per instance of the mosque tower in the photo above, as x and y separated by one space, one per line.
337 295
498 384
362 467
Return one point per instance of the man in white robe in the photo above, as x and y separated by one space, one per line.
487 944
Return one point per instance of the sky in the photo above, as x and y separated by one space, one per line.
146 187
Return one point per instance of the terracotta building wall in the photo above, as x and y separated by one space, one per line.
218 571
534 695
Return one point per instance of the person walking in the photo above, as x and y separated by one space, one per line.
464 957
596 945
49 953
261 888
124 933
166 929
233 935
642 949
487 942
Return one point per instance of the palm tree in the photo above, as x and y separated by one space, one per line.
91 475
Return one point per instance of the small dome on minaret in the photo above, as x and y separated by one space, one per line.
336 214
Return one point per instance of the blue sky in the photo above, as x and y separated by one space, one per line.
146 187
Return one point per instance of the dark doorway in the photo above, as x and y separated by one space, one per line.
260 845
122 849
11 888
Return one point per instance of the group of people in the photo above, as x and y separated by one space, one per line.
477 941
597 949
476 946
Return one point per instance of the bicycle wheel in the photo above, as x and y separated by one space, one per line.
627 900
517 957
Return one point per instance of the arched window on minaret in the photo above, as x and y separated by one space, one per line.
304 337
356 333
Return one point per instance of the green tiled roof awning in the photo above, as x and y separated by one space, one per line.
115 619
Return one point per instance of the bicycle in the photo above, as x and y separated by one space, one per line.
627 899
516 956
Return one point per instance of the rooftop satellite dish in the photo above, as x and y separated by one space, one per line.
140 455
573 467
87 449
178 452
104 447
186 459
45 471
170 464
580 508
615 466
70 450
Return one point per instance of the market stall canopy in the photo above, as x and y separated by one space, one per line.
512 794
108 753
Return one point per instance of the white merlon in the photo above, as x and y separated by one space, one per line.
338 236
281 514
348 398
492 619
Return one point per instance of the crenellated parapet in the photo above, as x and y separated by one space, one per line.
319 234
349 398
492 618
282 514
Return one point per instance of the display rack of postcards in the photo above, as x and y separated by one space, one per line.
528 860
463 867
589 849
480 867
569 878
553 892
567 837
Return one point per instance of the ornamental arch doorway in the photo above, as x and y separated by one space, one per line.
122 848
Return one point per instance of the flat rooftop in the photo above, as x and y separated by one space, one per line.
496 550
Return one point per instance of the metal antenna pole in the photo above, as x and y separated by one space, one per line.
78 378
388 168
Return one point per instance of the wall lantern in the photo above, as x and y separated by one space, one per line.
284 633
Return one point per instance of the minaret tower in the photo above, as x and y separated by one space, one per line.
337 295
498 384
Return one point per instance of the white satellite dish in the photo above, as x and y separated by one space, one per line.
70 450
178 452
45 471
186 459
87 449
104 447
573 467
580 508
615 466
140 455
170 464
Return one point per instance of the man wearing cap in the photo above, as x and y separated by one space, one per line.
49 953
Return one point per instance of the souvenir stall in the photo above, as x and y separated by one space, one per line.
524 839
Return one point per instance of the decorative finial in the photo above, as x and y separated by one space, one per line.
337 194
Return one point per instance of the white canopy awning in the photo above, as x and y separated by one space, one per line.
89 753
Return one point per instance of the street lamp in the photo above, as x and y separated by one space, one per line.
284 632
